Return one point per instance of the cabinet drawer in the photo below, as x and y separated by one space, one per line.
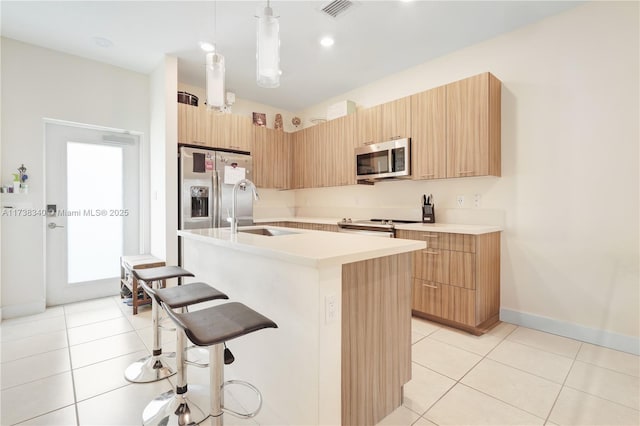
462 242
436 240
462 269
427 297
431 265
458 304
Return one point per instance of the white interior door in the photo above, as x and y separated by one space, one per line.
92 179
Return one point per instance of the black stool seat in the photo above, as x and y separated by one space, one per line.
160 273
187 294
220 323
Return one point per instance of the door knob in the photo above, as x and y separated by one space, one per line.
52 225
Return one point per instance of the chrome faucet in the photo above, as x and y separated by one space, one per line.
243 183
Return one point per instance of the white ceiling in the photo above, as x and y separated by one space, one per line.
373 38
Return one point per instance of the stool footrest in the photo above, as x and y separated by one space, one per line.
250 386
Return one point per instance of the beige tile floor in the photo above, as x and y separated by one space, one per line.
64 367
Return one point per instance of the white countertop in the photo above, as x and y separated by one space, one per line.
305 247
450 228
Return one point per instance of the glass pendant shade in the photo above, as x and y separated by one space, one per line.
268 50
215 80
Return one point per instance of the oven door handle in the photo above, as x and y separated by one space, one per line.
384 234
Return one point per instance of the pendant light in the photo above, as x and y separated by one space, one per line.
268 49
215 72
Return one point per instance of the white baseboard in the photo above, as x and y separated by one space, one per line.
14 311
595 336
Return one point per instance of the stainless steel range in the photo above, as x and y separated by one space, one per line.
375 227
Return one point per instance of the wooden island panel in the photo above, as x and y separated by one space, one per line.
376 337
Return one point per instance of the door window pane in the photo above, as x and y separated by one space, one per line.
94 195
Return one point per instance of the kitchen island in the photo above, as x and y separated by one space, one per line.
342 303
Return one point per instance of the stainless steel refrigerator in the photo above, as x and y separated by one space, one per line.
206 180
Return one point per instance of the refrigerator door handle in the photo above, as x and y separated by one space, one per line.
215 199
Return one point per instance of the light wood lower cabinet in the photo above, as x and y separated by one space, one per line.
456 279
304 225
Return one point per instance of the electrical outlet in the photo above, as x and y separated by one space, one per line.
476 200
330 308
460 201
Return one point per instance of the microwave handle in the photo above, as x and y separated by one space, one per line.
392 153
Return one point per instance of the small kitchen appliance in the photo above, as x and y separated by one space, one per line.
383 160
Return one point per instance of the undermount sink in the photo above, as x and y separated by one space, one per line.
269 232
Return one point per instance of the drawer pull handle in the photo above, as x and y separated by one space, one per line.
430 286
430 252
465 171
428 175
429 236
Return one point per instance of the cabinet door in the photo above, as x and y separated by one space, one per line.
462 269
298 148
473 133
428 134
279 147
191 124
337 138
241 132
396 119
458 304
369 125
427 297
431 265
262 160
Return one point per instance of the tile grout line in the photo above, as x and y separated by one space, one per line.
555 401
73 382
458 381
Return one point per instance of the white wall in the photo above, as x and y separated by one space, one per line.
163 160
568 195
38 83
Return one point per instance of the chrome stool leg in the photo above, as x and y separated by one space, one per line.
216 382
155 367
174 408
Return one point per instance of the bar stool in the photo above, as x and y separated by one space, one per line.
154 367
174 407
213 327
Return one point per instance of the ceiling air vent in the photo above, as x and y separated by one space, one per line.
337 7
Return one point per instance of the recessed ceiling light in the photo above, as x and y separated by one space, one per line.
207 47
102 42
327 41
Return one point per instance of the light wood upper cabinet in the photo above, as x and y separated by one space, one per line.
191 128
229 131
396 119
429 134
391 120
300 159
473 126
369 125
338 141
271 158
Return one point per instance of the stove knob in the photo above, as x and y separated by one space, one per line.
389 222
383 222
344 220
349 220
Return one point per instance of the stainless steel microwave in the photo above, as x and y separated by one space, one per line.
384 160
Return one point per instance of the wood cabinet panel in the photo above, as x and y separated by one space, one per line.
462 269
459 305
191 121
427 297
369 125
429 134
473 135
431 265
396 119
375 366
463 278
